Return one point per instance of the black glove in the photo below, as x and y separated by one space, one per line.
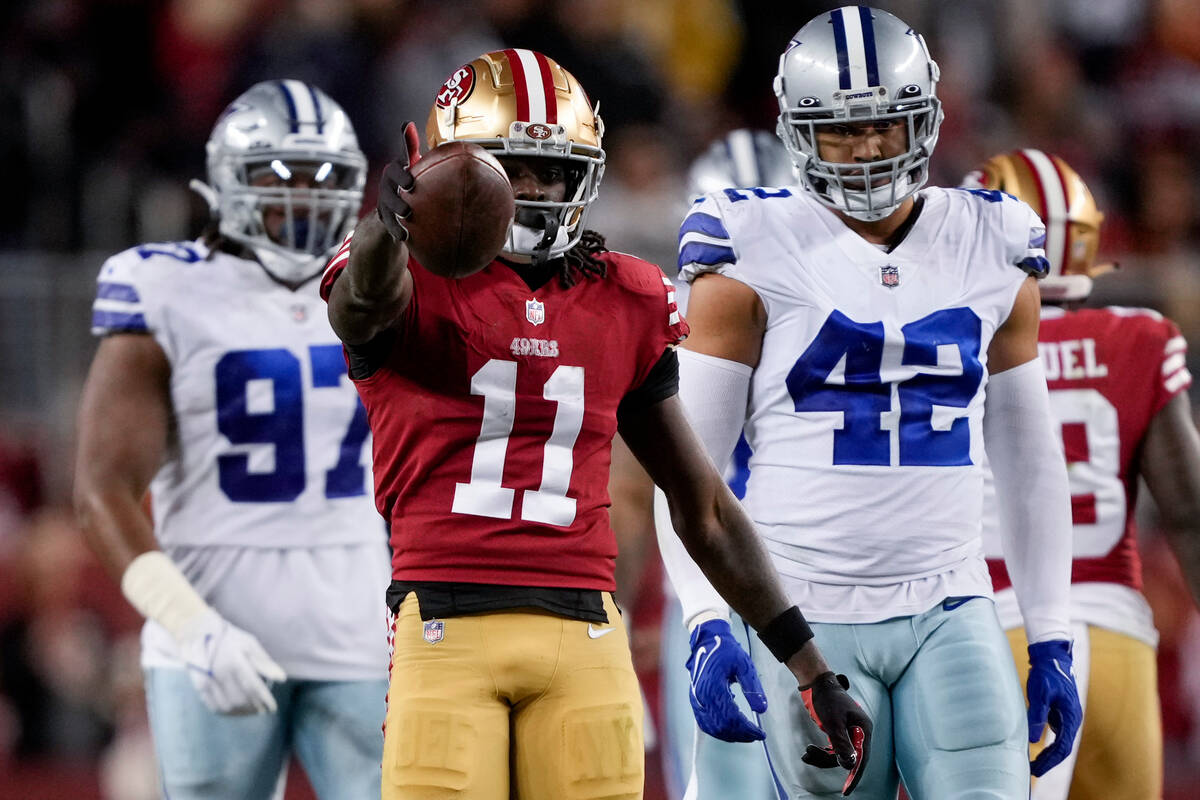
391 206
844 722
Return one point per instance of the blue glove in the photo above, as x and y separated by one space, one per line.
717 661
1053 699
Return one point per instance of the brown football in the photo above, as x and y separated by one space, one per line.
462 205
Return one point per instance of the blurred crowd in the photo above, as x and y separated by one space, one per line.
105 106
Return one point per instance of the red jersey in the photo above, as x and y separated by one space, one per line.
493 418
1110 370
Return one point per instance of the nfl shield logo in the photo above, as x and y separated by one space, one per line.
435 631
535 312
889 276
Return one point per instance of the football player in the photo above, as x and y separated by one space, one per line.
702 766
220 386
1118 390
494 400
870 336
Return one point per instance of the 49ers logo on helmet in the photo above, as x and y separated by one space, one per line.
457 87
538 131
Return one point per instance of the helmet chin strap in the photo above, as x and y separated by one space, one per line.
541 251
876 211
536 246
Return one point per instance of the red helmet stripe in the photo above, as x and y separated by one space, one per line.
548 89
1052 198
520 85
1066 196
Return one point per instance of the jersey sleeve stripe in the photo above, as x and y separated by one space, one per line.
705 254
1180 380
1176 344
706 224
117 291
1173 363
108 321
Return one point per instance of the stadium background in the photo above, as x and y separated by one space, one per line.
105 106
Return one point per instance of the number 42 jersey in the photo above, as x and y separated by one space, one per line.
865 410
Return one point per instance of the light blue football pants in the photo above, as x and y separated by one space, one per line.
722 770
941 688
334 728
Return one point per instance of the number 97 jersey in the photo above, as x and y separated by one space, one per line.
866 406
270 442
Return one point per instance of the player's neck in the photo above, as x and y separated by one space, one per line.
887 231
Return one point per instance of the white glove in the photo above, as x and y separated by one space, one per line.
228 667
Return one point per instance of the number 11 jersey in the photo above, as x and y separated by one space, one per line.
493 415
866 407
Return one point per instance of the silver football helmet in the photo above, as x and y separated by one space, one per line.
285 176
858 64
741 159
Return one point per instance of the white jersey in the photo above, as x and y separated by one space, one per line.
265 499
865 414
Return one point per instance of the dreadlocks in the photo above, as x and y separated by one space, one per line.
581 259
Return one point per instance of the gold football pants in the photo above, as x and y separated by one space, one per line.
1119 750
516 704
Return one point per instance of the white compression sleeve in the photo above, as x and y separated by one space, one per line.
714 392
155 587
1033 499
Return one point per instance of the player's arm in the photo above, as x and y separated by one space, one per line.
1034 504
124 433
720 538
1170 463
371 282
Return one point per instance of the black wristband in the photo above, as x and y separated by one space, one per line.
786 634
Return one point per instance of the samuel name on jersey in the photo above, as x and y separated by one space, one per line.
886 385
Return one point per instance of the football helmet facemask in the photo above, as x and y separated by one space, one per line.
285 176
741 159
1066 206
858 65
521 103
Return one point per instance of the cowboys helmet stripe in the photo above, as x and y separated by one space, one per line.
854 37
301 105
1054 206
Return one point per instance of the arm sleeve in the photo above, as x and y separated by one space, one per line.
1176 377
714 393
1033 499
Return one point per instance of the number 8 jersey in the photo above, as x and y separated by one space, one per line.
866 406
269 445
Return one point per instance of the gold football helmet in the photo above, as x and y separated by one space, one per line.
521 103
1062 200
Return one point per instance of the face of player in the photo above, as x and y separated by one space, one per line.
535 179
862 143
294 176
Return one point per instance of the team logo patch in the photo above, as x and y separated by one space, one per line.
435 631
538 131
535 311
299 313
889 276
457 87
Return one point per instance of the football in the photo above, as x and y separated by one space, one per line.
462 205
